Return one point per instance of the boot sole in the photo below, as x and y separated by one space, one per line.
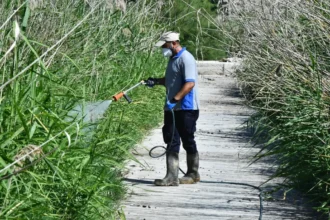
189 181
167 184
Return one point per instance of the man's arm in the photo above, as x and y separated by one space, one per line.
186 88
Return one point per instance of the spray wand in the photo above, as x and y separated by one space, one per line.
124 93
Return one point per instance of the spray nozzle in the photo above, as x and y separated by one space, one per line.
121 94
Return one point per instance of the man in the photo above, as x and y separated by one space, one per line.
181 83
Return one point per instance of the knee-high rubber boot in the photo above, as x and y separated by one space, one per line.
192 175
172 166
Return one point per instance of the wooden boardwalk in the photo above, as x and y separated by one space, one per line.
225 153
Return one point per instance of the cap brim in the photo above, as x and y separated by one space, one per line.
160 43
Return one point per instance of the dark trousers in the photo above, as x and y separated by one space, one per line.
185 127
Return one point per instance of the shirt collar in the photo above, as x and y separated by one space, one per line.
180 52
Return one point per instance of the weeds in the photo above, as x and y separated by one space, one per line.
285 77
53 55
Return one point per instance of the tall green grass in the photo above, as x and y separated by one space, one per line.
67 52
200 36
285 77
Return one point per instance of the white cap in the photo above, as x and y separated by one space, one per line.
167 37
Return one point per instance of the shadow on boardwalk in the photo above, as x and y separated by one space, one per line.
272 192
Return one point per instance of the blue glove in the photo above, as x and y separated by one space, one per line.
171 104
151 82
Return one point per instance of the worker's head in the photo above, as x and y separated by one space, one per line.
170 43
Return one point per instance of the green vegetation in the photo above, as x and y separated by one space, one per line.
285 77
193 19
56 54
53 55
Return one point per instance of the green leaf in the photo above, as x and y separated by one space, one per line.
106 141
26 16
33 129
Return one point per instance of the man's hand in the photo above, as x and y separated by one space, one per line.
151 82
170 104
